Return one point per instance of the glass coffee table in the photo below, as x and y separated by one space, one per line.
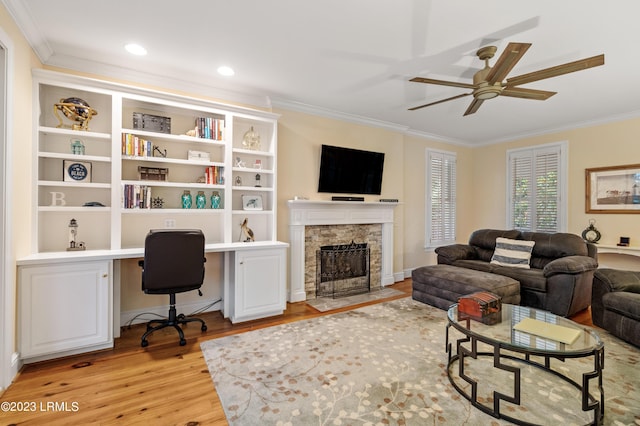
511 365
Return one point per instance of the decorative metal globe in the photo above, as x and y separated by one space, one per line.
76 110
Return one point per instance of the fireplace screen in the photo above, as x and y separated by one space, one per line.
342 270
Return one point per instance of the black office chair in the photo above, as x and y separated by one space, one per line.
173 263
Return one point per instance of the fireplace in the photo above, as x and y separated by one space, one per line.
313 224
342 270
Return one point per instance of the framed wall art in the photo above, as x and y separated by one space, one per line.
613 189
252 202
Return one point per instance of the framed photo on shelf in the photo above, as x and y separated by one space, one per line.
613 189
252 202
76 171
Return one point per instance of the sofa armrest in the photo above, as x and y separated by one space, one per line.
570 265
449 254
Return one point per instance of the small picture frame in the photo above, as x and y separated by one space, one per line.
252 202
76 171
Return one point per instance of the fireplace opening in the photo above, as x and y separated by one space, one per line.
342 270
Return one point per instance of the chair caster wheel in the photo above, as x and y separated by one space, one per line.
183 342
203 328
144 343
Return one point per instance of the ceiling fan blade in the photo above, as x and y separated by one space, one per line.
475 104
440 101
505 63
442 82
582 64
520 92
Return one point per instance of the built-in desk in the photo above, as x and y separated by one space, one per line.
69 302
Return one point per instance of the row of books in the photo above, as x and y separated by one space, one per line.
135 146
136 196
210 128
214 175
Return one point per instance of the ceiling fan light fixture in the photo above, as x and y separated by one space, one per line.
487 92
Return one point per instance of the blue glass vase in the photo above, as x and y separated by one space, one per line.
186 200
215 200
201 200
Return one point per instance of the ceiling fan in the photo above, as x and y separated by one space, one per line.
488 82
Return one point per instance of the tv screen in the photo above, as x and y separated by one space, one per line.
350 171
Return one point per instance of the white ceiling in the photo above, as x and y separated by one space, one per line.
352 59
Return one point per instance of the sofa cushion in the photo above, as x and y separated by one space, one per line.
512 253
484 240
531 279
552 246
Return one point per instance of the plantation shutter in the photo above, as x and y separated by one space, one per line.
534 189
441 198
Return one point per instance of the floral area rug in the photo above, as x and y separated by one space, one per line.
386 364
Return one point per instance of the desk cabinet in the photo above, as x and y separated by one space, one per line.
65 308
258 284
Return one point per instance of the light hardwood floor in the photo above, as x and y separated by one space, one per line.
163 384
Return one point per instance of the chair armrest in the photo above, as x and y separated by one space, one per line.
449 254
570 265
618 280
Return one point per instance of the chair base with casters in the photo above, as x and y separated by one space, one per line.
172 321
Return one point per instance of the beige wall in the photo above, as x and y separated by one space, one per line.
20 158
414 197
24 59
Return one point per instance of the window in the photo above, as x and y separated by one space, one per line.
537 188
440 198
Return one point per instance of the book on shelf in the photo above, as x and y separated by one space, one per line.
210 128
135 146
214 175
136 196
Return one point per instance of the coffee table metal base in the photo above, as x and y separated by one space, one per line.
589 403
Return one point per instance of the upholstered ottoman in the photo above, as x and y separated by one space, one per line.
441 285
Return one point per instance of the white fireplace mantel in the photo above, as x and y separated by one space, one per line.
307 213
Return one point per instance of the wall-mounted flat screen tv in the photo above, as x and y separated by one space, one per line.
350 171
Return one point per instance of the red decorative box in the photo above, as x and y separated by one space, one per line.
482 306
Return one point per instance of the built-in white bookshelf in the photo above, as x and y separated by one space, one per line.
242 174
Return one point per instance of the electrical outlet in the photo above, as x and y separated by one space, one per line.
169 223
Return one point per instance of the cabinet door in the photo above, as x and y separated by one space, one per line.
65 307
260 284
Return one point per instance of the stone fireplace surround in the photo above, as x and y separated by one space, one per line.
307 213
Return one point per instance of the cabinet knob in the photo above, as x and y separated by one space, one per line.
242 263
105 275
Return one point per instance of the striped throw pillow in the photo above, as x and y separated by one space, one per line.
513 253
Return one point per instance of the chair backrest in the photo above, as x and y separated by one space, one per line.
173 261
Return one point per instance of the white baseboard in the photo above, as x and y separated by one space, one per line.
156 312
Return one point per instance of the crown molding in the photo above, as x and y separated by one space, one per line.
20 14
201 87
